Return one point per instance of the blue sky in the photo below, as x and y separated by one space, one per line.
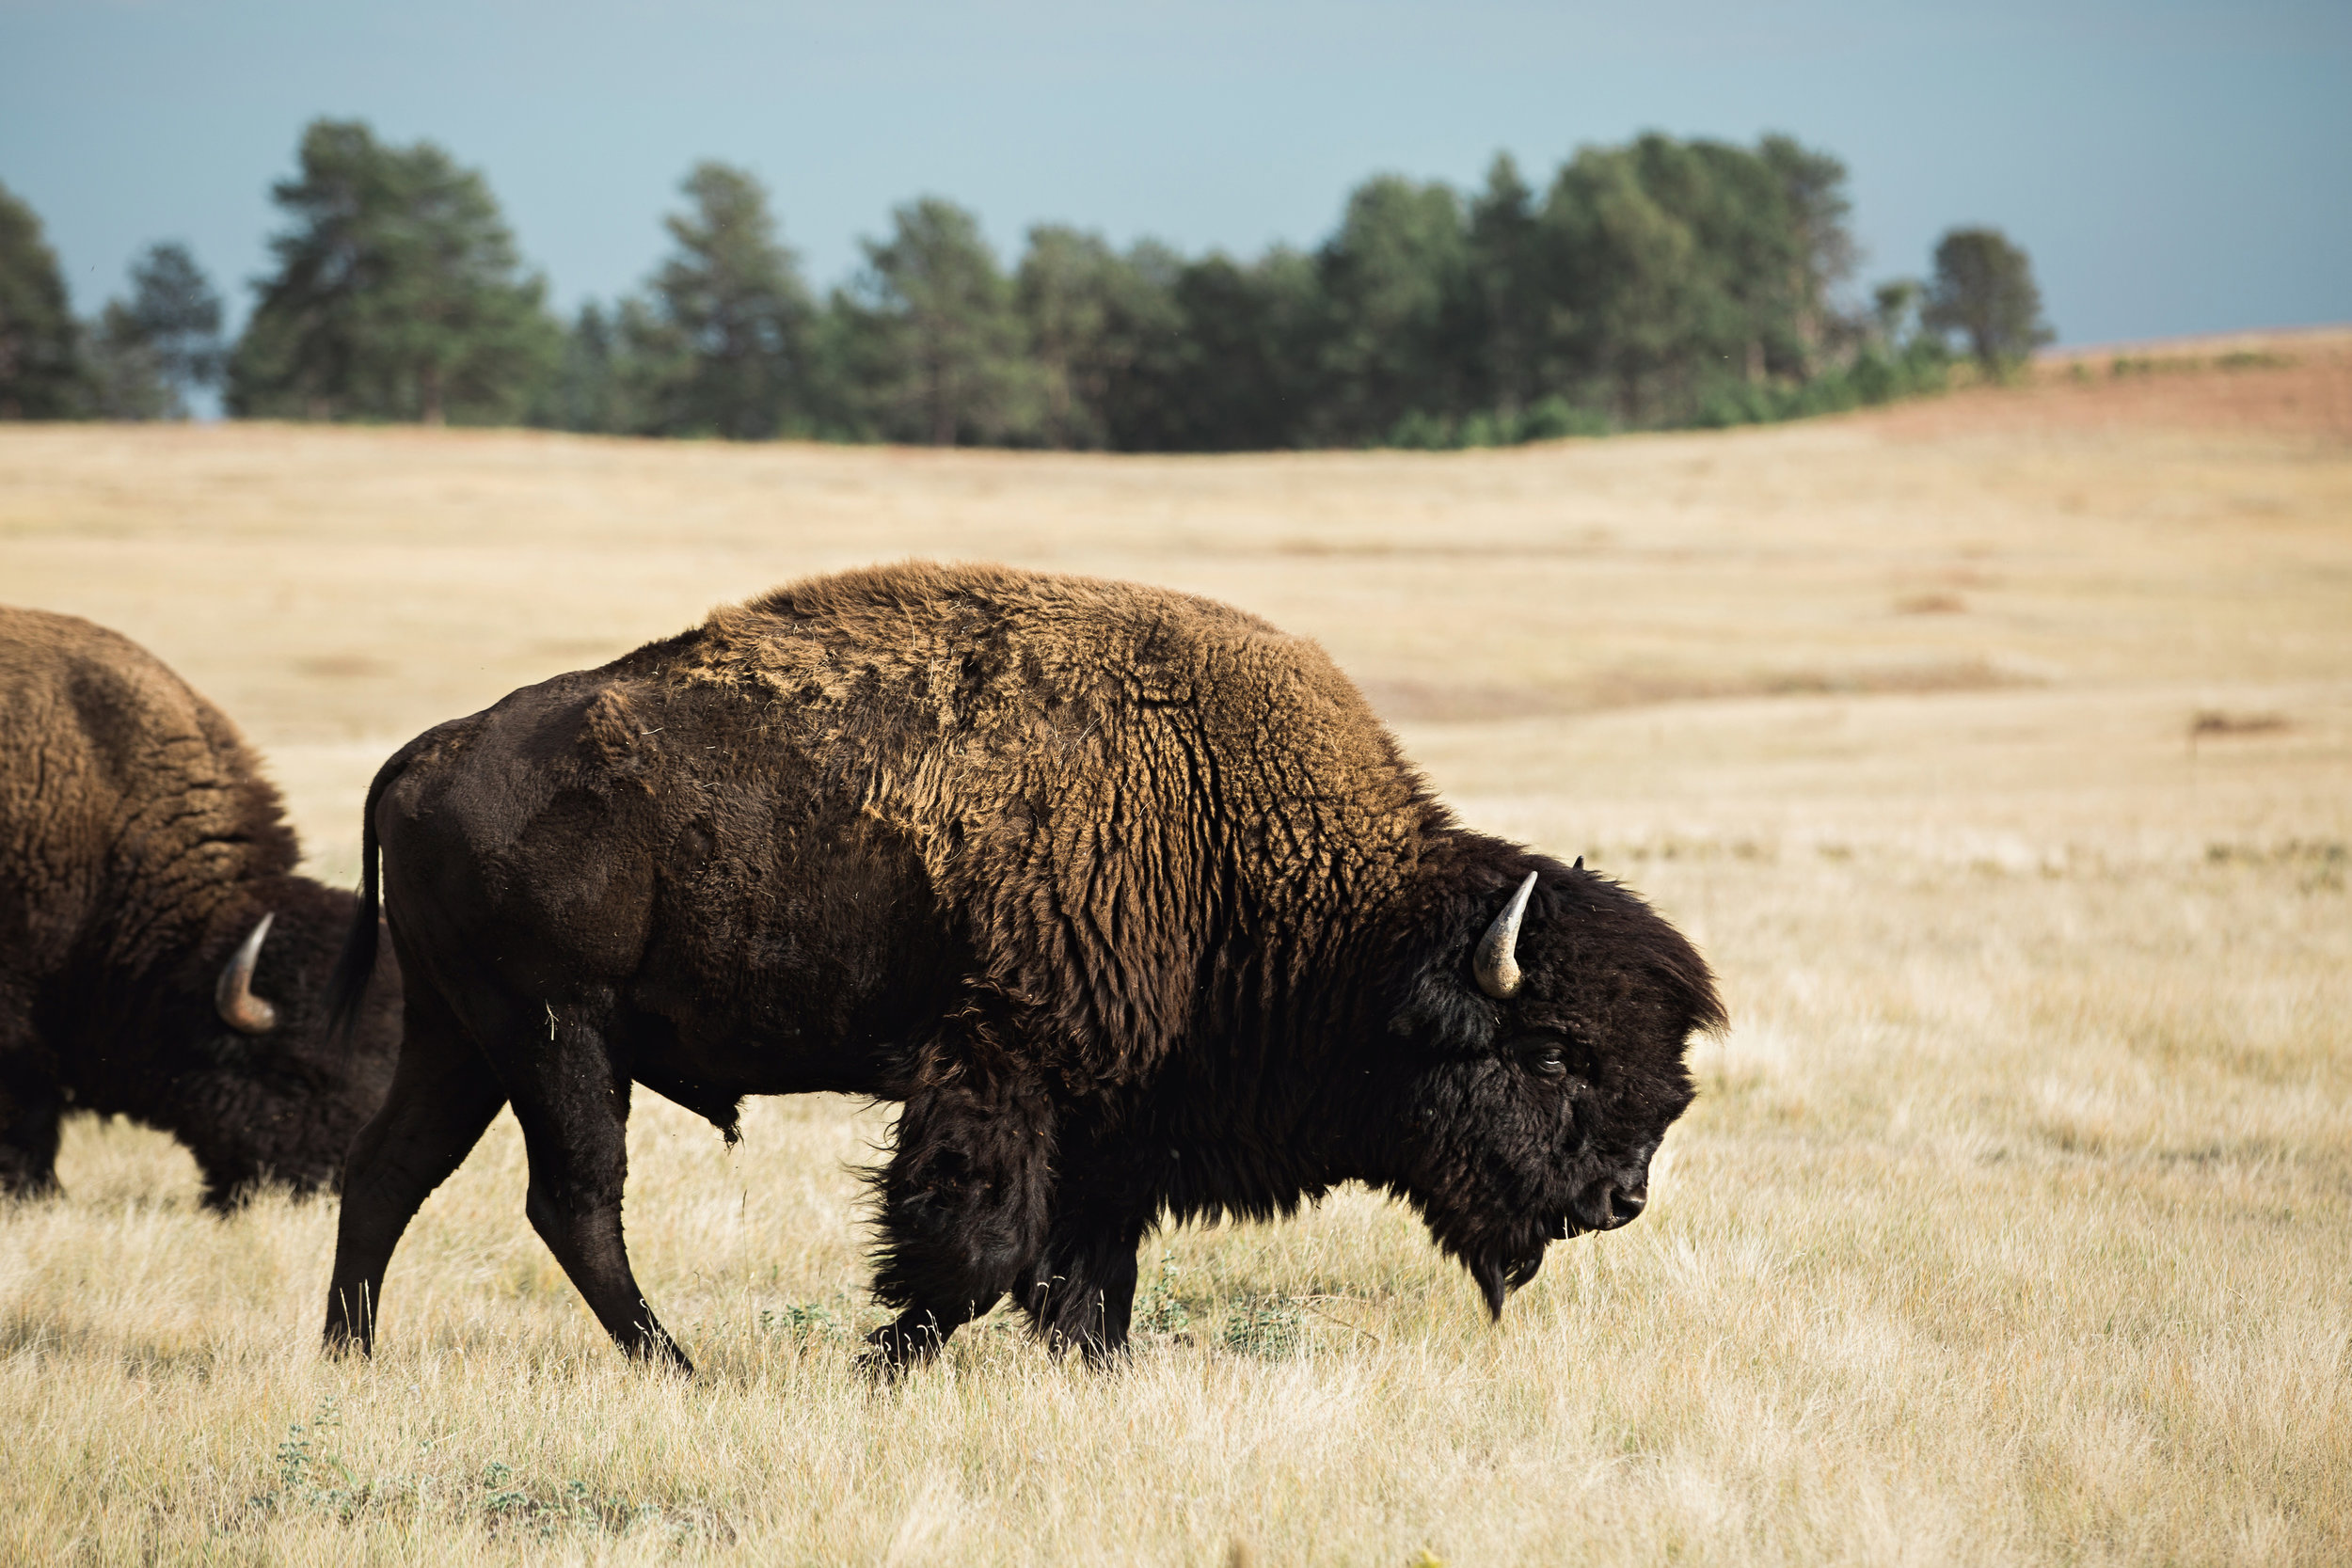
2172 167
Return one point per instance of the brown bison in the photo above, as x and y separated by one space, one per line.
1125 896
158 956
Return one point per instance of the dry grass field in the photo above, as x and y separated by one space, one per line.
1997 750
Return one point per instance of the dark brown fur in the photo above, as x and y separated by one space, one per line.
1126 895
139 845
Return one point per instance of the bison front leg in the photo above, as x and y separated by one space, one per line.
1082 1291
29 1103
28 1137
964 1200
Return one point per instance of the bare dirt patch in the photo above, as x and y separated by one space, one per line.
2297 384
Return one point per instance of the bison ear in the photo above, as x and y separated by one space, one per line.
1440 1016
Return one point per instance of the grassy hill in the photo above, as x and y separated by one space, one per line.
1997 748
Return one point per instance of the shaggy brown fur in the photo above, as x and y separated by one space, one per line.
1126 894
138 846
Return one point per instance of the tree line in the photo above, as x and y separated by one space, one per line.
1664 282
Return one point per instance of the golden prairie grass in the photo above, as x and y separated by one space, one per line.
2014 1223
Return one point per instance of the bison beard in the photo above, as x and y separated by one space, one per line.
1124 896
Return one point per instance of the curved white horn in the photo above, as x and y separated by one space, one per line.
233 995
1497 962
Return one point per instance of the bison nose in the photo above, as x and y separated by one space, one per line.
1612 1201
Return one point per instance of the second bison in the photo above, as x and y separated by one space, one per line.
1124 895
159 958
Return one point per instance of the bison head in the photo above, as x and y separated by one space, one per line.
274 1096
1543 1039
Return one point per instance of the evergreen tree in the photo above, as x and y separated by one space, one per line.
1240 372
1894 311
1816 210
398 294
155 349
1983 288
1625 283
1091 315
727 352
41 363
939 345
1511 312
591 390
1397 287
1673 270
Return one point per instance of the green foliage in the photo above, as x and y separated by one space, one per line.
1240 368
1092 318
40 348
1270 1327
398 294
1551 418
1158 1308
805 1322
1671 263
1873 376
151 351
315 1479
1895 309
724 348
1397 288
932 335
1984 291
1511 318
588 389
1658 283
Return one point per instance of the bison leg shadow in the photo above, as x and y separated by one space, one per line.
965 1198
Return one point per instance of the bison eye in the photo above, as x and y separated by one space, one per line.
1544 1056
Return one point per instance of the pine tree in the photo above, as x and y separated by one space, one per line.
152 350
41 359
725 348
1091 315
398 296
1397 286
1512 317
939 343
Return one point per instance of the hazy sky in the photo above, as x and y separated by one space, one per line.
2174 166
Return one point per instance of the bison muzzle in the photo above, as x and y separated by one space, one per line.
1126 897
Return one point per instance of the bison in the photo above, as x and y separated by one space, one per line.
158 956
1124 896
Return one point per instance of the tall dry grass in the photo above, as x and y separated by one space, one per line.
2014 1223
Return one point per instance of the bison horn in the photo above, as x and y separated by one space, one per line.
1497 963
233 995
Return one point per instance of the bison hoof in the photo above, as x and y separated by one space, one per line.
895 1347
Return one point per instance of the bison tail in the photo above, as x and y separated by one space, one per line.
349 985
